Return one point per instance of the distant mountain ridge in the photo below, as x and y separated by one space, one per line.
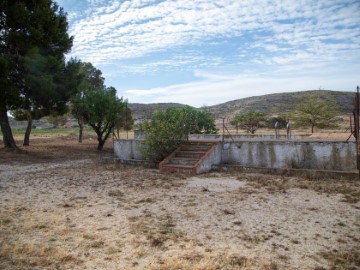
280 102
144 111
268 104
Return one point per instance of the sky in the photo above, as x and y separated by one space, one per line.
206 52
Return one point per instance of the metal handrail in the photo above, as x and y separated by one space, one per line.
225 128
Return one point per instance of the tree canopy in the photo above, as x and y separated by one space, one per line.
54 95
88 79
95 104
100 108
168 128
314 111
33 41
281 118
204 123
250 121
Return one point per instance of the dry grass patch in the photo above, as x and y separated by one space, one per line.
191 259
156 232
349 188
88 214
4 221
343 260
23 256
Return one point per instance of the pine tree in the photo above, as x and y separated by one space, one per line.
33 41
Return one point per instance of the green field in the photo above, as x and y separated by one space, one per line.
51 131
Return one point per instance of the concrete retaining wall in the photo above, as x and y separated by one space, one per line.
214 158
127 149
339 156
241 137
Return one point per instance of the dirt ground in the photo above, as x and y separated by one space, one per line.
63 206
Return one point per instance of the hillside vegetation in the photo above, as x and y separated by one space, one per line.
268 104
282 102
144 111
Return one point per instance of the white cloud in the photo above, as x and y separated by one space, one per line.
270 46
173 63
137 28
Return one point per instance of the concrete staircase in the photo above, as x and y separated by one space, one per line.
189 158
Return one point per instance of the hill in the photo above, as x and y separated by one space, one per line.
268 104
281 102
143 111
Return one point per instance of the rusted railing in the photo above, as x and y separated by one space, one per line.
227 130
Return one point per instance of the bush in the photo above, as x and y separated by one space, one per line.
169 128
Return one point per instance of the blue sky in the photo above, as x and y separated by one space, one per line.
205 52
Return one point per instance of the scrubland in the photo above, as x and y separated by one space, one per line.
63 205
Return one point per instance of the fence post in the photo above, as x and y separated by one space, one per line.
356 113
223 133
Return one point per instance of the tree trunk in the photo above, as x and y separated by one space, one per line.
312 128
253 129
28 129
8 138
101 144
81 129
102 139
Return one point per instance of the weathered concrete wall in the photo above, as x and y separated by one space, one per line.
339 156
127 149
241 137
214 158
291 154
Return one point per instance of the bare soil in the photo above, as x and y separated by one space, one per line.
62 206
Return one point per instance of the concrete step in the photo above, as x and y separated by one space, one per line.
195 147
185 159
198 142
190 154
173 168
182 161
